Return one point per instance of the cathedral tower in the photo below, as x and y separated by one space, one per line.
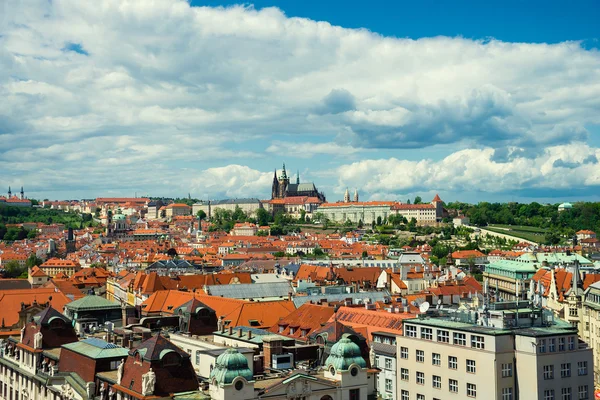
347 196
356 195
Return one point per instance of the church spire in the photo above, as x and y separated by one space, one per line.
298 178
9 192
356 195
347 196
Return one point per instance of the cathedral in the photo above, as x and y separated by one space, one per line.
282 187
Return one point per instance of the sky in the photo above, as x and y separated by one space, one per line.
476 101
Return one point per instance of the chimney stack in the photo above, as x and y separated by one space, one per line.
240 332
230 330
249 335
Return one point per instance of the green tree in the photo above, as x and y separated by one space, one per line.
418 200
33 260
360 224
13 269
379 220
365 254
201 215
263 217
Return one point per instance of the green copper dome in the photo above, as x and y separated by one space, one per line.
343 354
229 366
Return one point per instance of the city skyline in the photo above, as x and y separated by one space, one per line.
172 98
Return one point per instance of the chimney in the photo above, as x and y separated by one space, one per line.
126 340
405 309
240 332
249 335
289 296
230 330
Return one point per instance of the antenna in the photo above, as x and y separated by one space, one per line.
424 307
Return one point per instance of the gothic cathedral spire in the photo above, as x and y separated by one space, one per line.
298 178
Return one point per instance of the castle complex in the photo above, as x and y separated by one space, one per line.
282 187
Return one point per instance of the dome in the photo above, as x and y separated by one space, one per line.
343 354
229 366
566 205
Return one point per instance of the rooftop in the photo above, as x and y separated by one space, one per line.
96 348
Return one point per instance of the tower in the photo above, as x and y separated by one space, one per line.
275 186
284 181
22 194
347 196
356 195
298 178
70 242
9 192
439 207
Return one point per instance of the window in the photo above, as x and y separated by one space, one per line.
477 342
354 394
507 394
377 361
552 345
411 331
542 345
565 370
549 394
404 353
443 336
420 356
571 342
453 385
452 362
197 357
388 363
561 344
565 393
420 378
507 370
459 339
471 390
426 333
436 359
582 368
583 392
388 385
548 372
404 374
405 395
420 397
437 382
471 366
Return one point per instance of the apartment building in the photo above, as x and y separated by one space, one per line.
383 352
589 326
505 351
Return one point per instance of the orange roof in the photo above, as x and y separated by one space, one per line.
301 322
461 254
10 302
57 262
436 198
402 206
37 272
373 320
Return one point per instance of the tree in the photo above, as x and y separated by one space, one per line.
31 234
379 220
365 254
33 260
13 269
201 215
263 217
360 224
418 200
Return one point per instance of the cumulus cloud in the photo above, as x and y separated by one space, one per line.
559 168
200 85
309 150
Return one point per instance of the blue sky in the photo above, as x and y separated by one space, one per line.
494 101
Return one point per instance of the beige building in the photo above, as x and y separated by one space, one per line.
355 211
55 266
249 206
424 214
175 210
497 353
589 326
244 229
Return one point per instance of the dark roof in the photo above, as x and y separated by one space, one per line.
156 347
335 331
44 317
13 284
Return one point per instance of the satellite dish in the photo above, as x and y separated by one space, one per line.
424 307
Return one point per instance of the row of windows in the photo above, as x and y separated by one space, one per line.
565 370
443 336
570 344
583 393
471 367
453 387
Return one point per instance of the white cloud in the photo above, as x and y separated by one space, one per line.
476 170
198 84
